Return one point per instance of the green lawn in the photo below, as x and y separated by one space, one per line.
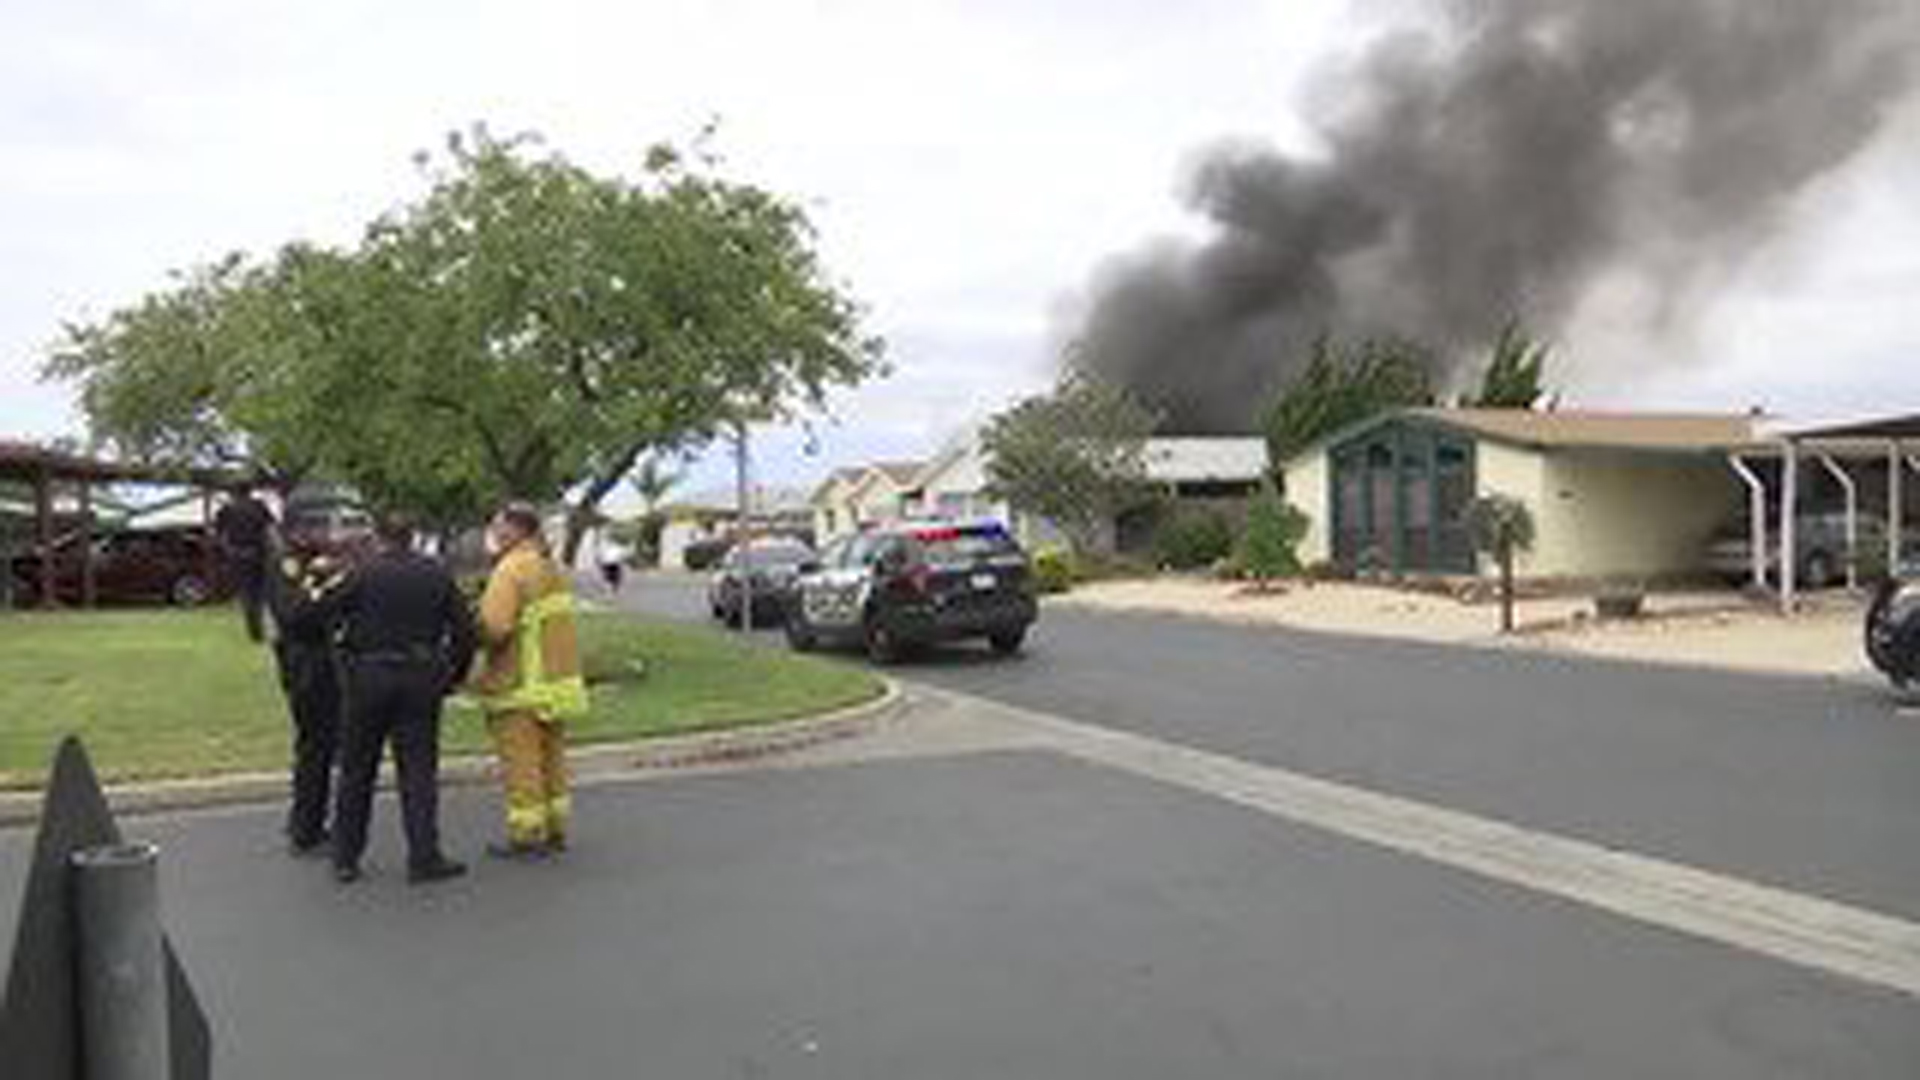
166 693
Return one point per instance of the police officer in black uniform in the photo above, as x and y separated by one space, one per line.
407 638
309 674
242 531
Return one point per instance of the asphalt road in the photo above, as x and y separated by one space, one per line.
1023 914
997 916
1810 784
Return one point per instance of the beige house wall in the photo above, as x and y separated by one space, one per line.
1520 473
1623 514
1310 491
1598 512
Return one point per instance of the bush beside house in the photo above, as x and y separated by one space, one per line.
1194 539
1273 533
1053 570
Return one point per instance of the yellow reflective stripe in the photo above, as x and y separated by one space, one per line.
563 698
559 810
526 822
554 700
532 633
554 603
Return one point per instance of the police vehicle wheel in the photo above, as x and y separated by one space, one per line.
1007 642
189 590
799 635
883 645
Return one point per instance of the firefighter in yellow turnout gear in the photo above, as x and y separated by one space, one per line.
531 684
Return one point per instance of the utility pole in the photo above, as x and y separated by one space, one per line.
743 530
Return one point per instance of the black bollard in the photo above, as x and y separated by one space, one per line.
120 963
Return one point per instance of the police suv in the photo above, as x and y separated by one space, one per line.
891 588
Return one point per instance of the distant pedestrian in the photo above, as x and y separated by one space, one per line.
297 595
407 639
612 556
242 530
530 682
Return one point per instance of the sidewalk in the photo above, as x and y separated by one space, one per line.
1713 629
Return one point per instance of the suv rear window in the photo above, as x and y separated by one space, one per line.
948 546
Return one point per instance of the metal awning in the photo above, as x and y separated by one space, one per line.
39 468
1894 438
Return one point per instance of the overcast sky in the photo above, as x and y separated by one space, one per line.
967 164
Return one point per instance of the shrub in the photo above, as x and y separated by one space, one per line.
1194 539
1274 529
1053 570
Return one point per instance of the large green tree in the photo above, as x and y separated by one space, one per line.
527 328
1075 455
163 378
1344 384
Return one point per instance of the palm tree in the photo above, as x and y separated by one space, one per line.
1502 526
653 481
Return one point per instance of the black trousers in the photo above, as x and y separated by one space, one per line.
311 680
249 572
397 703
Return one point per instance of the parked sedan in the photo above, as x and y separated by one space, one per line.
762 573
1820 547
895 588
137 566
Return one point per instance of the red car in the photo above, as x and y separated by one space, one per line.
144 566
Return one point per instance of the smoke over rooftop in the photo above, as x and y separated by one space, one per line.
1496 163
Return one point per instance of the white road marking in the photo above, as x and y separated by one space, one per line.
1809 931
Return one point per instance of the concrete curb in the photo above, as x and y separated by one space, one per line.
1521 644
594 761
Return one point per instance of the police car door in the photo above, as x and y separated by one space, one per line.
835 599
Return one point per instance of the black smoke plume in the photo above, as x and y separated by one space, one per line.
1499 162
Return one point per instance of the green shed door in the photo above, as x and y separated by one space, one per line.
1453 486
1400 497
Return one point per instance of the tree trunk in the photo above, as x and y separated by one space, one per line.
582 513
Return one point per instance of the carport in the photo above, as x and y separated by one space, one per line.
1894 440
42 471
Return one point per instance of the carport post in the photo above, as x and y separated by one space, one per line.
1853 516
43 532
89 580
1896 506
1756 517
210 543
1789 500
